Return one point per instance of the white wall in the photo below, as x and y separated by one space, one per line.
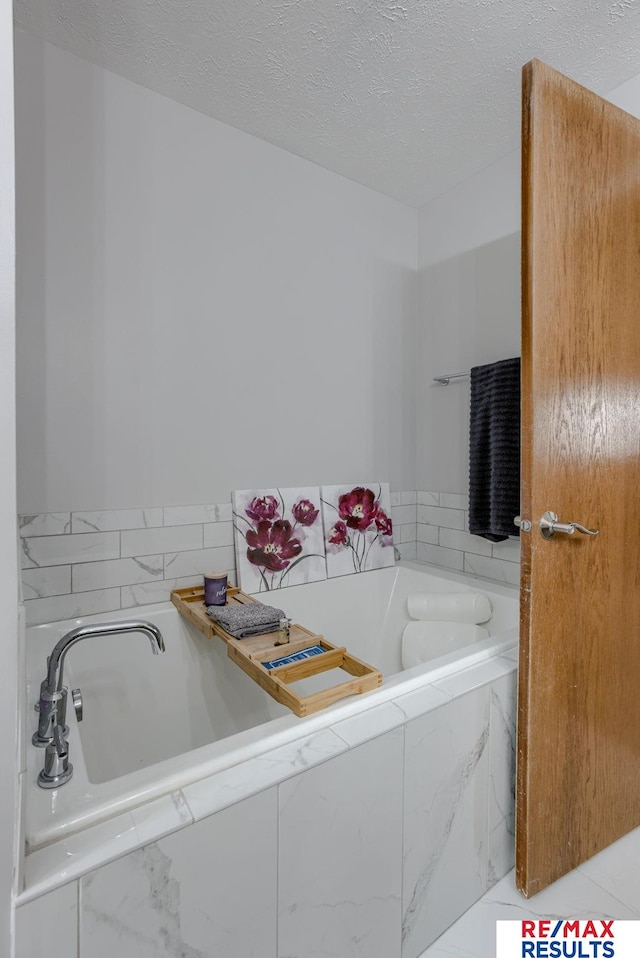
469 303
627 96
8 551
468 310
483 208
198 310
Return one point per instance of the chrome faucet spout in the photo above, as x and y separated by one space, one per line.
53 694
55 668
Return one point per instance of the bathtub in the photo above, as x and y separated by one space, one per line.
367 828
153 724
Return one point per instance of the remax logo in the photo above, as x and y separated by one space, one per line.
568 938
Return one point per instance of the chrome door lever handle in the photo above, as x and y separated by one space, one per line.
549 525
585 532
523 524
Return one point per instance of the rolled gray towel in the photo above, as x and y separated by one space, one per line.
241 621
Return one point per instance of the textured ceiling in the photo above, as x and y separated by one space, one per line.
408 97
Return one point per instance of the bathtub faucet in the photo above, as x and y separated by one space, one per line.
52 705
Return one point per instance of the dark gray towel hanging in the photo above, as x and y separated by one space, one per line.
494 449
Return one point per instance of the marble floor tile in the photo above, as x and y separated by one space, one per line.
617 870
574 896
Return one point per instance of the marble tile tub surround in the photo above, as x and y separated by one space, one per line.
81 563
443 539
330 850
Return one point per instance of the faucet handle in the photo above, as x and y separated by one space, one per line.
76 697
53 711
60 744
57 767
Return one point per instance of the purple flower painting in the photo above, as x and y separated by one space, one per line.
278 537
358 528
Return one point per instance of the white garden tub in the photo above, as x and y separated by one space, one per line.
153 724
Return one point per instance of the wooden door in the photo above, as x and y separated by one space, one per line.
578 779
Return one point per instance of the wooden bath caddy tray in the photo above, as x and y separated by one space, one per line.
250 653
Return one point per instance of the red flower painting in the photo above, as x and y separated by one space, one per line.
383 523
339 534
357 526
305 512
358 508
272 545
263 507
277 538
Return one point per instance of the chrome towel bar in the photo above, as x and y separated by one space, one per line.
444 380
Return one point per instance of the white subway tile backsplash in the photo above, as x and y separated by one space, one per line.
406 533
408 551
52 580
45 524
141 542
464 541
199 561
497 569
395 498
443 521
218 534
148 593
451 500
115 519
185 515
428 499
509 550
402 514
77 563
62 550
448 558
116 572
58 607
438 516
427 533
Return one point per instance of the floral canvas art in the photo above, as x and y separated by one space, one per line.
357 528
278 536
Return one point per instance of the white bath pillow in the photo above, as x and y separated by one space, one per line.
472 607
423 641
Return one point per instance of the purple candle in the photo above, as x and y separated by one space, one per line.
215 588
